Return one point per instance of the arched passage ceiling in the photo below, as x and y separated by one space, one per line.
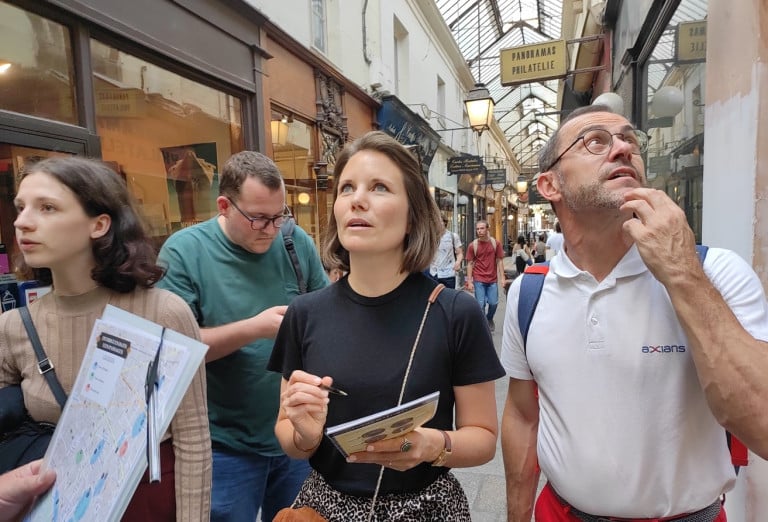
527 113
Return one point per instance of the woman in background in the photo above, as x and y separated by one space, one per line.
384 231
78 230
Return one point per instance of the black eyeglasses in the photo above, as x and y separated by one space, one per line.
260 223
600 141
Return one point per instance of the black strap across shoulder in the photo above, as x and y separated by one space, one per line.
287 231
44 365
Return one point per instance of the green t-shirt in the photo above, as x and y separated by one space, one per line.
224 283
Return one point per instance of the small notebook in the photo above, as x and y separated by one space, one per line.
353 436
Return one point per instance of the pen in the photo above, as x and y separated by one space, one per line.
335 391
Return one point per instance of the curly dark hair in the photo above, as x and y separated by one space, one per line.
423 215
124 256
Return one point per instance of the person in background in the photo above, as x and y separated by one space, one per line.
522 254
235 273
448 257
78 229
20 486
540 249
384 229
642 353
334 274
555 242
485 270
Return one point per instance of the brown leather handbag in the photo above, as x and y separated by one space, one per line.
302 514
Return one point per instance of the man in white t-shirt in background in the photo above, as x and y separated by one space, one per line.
448 257
555 242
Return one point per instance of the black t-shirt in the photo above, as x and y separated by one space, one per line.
365 343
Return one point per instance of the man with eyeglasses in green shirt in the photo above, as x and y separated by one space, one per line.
238 280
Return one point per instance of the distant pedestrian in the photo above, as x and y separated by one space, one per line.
540 249
555 242
522 254
448 258
485 270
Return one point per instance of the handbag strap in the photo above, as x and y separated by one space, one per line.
432 298
44 365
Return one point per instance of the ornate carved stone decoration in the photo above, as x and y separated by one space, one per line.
331 119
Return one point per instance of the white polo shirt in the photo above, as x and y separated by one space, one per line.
624 427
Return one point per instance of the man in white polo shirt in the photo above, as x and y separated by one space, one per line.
641 354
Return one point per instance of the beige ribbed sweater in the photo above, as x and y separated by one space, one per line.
64 325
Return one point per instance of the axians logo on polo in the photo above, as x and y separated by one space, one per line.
665 348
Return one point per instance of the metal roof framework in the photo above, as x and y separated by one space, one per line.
527 113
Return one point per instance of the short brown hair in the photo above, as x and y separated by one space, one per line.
248 164
423 215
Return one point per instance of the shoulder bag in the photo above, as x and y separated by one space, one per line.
23 439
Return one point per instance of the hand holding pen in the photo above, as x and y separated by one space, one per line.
304 401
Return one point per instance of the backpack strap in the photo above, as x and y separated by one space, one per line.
702 251
287 231
474 246
530 291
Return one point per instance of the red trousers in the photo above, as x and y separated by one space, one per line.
550 509
156 502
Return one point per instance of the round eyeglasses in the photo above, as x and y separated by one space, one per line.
261 222
600 141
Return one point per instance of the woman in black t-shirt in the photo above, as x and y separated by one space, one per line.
358 335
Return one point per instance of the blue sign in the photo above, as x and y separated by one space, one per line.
408 128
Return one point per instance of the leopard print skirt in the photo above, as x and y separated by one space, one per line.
442 501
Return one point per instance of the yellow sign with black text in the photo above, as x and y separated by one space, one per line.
533 63
692 41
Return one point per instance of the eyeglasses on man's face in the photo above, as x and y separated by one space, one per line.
600 141
261 222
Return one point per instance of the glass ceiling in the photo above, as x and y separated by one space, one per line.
527 112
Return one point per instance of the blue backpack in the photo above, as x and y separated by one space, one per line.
531 285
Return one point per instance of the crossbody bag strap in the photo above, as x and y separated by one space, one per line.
432 298
44 365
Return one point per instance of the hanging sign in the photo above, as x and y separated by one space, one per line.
471 165
691 42
496 176
533 63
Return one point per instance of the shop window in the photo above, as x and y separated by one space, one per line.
36 66
676 72
293 149
167 135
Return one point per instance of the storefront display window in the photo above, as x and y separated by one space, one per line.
36 66
293 148
675 109
168 136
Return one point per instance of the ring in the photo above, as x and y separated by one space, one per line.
406 445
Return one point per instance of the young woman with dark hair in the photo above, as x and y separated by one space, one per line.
77 229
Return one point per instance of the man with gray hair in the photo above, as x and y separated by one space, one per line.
238 280
644 350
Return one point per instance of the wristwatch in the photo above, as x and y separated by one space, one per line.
443 456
